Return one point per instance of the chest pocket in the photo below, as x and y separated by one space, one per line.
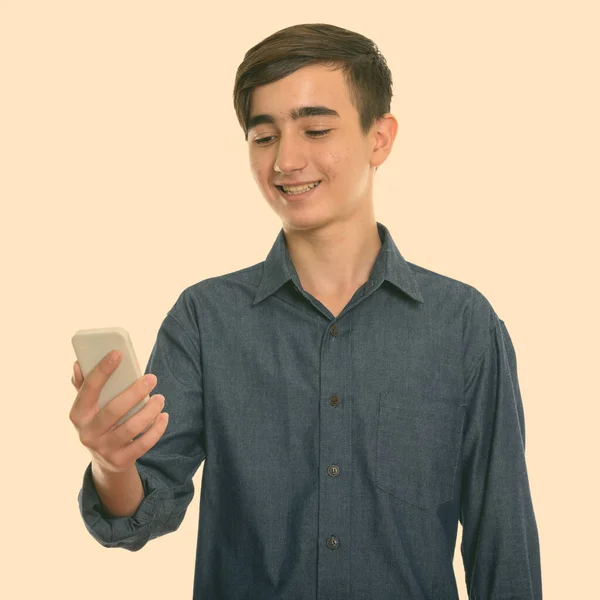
418 448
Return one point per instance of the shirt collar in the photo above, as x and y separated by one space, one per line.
389 265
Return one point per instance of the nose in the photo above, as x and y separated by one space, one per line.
290 156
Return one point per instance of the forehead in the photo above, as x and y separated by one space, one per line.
310 91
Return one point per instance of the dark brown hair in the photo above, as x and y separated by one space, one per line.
365 69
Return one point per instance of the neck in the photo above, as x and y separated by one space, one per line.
334 260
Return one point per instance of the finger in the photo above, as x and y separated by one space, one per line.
120 405
139 447
85 406
124 433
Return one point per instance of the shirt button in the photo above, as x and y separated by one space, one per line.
334 400
333 470
333 330
333 542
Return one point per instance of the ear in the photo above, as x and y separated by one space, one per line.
384 133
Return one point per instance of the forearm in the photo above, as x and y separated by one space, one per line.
120 493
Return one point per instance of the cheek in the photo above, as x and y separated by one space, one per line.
336 168
339 160
259 172
330 164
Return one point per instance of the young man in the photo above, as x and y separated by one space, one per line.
350 407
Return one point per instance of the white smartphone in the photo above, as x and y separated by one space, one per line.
92 345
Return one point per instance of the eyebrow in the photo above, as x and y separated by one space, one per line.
296 113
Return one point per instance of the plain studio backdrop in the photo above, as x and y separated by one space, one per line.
124 179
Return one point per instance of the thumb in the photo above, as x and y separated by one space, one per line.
77 377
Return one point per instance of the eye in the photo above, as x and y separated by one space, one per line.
314 133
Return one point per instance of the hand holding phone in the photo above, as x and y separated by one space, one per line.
111 419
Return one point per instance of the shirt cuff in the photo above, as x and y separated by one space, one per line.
132 532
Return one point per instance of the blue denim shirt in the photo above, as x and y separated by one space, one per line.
339 453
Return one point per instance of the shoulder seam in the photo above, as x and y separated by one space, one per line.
172 315
475 362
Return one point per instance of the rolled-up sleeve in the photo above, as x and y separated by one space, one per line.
500 544
166 470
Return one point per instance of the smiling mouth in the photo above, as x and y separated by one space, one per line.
280 188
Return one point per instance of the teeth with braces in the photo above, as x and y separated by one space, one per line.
297 190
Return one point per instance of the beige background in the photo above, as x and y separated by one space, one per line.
125 179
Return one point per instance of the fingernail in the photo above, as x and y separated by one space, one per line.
113 357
